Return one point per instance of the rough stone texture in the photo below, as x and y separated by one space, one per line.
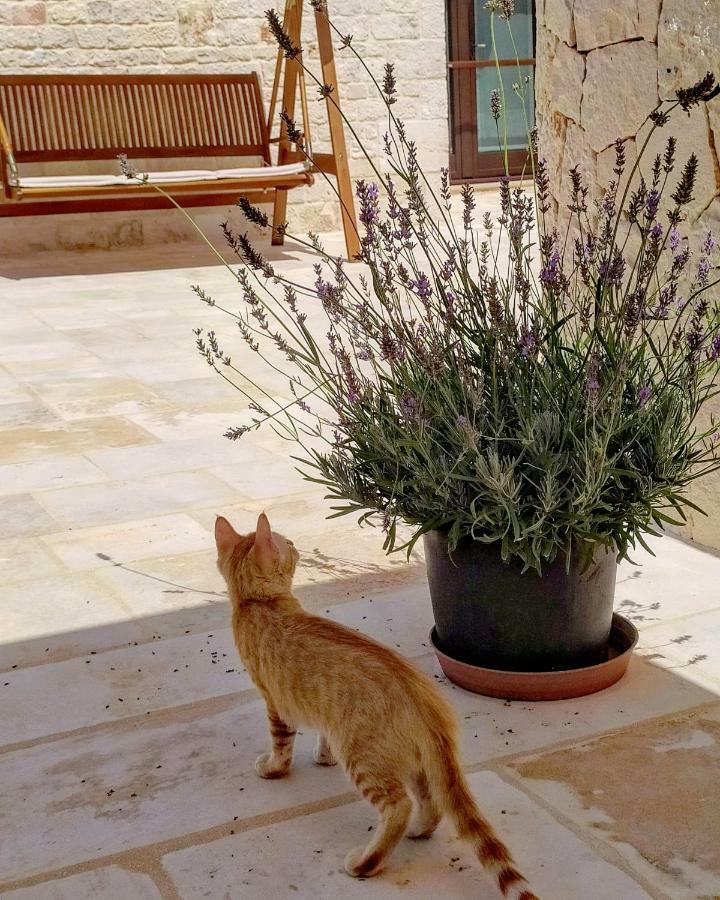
610 108
617 22
558 18
28 14
628 55
566 82
229 36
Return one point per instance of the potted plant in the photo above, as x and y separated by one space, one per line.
522 399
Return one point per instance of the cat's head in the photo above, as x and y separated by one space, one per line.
256 565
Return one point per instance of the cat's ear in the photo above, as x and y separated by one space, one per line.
265 550
225 536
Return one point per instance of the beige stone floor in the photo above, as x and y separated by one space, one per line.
128 728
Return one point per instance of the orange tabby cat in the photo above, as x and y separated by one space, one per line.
386 722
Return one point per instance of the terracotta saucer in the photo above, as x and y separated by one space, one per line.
555 685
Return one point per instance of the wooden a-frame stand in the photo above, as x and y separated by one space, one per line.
334 163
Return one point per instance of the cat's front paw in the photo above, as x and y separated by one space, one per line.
359 864
267 767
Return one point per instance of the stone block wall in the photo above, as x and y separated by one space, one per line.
601 68
229 36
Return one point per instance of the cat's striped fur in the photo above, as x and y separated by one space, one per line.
394 733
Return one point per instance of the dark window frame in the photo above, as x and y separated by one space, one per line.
467 163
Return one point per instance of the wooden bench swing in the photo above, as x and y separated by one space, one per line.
59 118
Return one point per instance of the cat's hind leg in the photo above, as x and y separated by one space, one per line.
394 808
323 754
427 814
278 762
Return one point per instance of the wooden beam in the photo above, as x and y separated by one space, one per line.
292 24
323 162
337 133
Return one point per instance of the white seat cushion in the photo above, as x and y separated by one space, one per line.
296 168
179 176
53 181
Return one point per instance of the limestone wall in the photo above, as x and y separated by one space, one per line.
601 69
227 36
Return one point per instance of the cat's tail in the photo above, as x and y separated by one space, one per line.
458 802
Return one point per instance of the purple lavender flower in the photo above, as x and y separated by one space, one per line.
709 244
449 300
462 421
593 389
667 296
613 270
448 267
680 259
592 385
674 238
468 202
607 205
643 396
323 289
656 231
527 345
421 286
703 270
392 349
652 203
714 351
409 406
368 195
550 273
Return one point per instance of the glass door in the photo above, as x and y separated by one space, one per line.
476 138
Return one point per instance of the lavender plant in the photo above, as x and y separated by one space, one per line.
505 380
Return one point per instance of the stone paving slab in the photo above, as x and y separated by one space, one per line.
679 581
83 548
169 456
669 775
48 618
46 474
24 559
121 501
113 790
35 442
687 647
47 372
492 728
281 479
169 672
111 883
22 516
303 857
78 399
160 674
52 348
207 756
175 423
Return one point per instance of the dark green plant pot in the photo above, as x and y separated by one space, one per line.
488 613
